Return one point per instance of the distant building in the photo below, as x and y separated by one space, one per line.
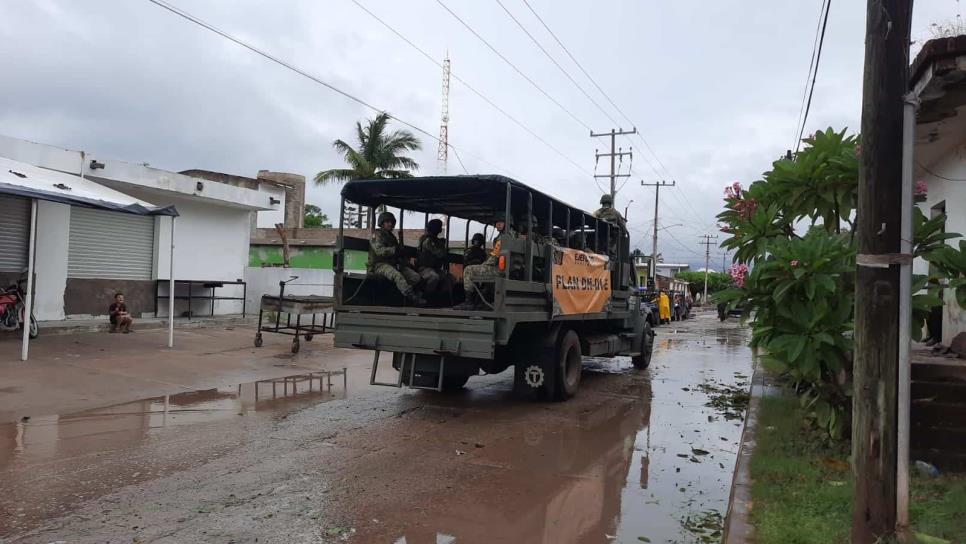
938 77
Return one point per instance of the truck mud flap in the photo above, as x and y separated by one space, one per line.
460 337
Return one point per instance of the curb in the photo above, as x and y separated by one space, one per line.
737 526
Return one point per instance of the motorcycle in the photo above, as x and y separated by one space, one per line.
12 309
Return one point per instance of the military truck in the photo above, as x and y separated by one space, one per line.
565 289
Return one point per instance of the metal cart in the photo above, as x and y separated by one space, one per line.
294 305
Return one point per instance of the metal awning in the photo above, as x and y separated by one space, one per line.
29 181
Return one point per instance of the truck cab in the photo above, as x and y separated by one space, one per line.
562 286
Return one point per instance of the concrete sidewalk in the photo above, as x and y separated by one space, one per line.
67 373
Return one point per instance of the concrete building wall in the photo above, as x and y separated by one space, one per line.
53 228
953 194
211 243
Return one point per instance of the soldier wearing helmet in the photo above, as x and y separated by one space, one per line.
475 254
607 211
431 257
488 271
385 260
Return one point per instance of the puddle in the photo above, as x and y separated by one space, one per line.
49 463
41 436
634 457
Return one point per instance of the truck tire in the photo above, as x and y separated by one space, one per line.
643 360
568 367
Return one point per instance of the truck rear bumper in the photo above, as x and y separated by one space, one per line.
459 337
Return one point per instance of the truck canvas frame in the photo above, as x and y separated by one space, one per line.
526 323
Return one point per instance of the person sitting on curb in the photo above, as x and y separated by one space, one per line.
121 320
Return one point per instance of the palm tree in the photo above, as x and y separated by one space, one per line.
380 154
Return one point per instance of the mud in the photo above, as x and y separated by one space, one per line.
635 454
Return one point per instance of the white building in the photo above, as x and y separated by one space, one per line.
84 256
939 79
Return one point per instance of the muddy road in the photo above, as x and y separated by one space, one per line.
637 456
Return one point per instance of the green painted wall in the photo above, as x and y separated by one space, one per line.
304 257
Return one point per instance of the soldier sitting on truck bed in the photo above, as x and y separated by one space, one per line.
386 262
475 254
607 211
431 259
488 271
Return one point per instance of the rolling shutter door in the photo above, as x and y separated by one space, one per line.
14 233
110 245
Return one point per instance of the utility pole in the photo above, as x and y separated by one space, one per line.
708 240
724 256
877 292
657 197
614 154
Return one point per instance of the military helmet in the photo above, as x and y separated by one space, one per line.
435 226
478 239
606 200
384 217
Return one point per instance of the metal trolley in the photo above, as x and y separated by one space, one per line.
294 305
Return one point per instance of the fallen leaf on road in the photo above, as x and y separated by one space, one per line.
698 451
460 452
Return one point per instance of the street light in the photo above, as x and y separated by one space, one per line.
629 202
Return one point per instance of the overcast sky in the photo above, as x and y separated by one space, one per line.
714 87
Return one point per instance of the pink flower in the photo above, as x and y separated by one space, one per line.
793 262
738 272
736 187
921 188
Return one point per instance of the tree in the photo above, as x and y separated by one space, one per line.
314 218
379 154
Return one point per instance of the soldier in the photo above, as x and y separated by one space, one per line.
475 254
431 256
487 271
607 211
385 262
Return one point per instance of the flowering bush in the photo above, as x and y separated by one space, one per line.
799 291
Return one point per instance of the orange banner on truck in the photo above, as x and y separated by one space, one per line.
581 282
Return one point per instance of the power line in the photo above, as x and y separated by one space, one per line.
185 15
647 145
469 87
811 65
818 59
555 63
507 61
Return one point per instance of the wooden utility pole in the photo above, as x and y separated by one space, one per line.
614 154
657 197
874 406
708 239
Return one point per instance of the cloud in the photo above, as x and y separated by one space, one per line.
715 90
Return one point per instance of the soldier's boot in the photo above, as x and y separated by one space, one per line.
414 298
470 303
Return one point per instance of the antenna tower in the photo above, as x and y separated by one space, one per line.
443 154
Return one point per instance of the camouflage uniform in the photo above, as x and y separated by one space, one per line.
608 213
431 258
488 271
384 262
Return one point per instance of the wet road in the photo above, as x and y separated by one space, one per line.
635 454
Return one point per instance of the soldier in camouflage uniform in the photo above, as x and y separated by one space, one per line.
488 271
384 260
607 211
475 254
431 257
